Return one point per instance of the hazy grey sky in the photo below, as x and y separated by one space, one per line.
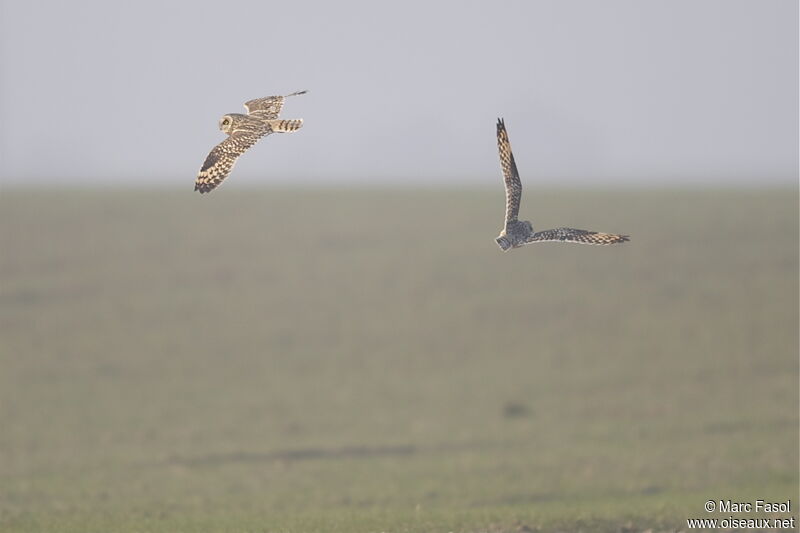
643 91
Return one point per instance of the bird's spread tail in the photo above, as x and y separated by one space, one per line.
503 243
285 126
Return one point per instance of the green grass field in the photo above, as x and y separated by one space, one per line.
365 361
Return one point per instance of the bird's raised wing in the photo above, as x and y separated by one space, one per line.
222 158
269 107
580 236
510 173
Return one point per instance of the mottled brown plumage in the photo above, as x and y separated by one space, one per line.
518 233
243 132
268 108
510 173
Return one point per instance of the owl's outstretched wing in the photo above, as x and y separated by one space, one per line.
222 158
510 173
269 107
580 236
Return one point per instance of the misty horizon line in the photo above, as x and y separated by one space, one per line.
372 184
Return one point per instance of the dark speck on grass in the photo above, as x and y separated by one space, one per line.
516 410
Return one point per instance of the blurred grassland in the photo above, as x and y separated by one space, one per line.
368 360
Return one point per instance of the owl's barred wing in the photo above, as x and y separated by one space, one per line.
580 236
269 107
222 157
510 173
265 108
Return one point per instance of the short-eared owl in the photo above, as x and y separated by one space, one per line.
518 233
243 132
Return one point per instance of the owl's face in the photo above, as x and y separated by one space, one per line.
226 124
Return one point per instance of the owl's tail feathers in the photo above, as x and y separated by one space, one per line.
503 243
285 126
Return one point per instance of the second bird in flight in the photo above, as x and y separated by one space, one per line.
518 233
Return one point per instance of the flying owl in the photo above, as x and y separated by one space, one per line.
518 233
243 132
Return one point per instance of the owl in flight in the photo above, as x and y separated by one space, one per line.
518 233
243 132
